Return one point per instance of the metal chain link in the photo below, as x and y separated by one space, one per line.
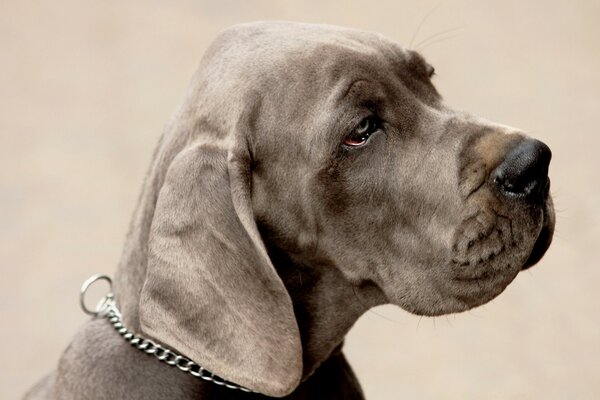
107 308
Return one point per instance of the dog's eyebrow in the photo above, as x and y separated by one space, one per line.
350 86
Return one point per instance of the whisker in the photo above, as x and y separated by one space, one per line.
560 237
414 36
448 320
371 311
438 41
419 323
455 29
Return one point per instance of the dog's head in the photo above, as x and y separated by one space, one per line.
333 146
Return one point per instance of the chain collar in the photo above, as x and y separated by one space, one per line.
107 308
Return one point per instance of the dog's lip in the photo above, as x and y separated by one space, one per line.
544 238
540 247
499 273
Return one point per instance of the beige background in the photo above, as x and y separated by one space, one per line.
86 87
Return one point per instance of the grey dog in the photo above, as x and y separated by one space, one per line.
312 172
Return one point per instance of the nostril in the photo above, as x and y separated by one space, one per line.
524 171
508 185
520 185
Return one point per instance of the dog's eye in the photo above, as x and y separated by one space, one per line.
362 132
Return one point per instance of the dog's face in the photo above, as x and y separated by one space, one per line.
372 174
318 149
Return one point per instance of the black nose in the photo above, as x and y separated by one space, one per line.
524 171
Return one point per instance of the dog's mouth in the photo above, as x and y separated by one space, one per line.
544 238
490 251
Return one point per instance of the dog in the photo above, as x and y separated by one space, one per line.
311 173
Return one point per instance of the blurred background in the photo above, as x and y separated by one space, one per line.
86 87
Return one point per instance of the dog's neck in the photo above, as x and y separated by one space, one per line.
326 304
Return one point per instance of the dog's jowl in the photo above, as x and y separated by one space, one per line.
308 165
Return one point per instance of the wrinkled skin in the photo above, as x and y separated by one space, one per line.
255 190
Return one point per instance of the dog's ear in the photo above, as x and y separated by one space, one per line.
211 291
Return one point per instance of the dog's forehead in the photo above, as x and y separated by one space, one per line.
269 49
289 36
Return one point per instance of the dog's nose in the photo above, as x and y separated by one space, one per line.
524 171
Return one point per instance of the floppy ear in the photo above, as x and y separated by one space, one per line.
211 291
